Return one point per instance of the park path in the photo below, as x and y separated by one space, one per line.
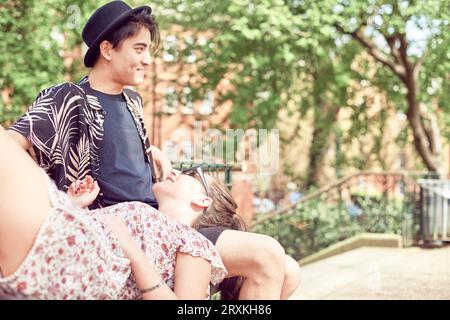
378 273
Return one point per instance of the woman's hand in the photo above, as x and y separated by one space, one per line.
82 193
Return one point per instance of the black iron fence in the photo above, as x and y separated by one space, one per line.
433 206
221 171
413 205
386 202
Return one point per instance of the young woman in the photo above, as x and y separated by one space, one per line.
202 202
51 249
97 128
257 265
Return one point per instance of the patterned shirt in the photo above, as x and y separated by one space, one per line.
65 126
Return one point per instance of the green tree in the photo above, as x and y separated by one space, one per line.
409 41
277 51
34 38
273 57
255 44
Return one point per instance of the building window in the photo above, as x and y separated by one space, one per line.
168 148
402 161
186 153
170 48
188 53
207 105
186 100
170 105
191 57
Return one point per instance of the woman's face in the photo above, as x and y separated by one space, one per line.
178 186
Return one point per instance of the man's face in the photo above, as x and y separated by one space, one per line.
131 59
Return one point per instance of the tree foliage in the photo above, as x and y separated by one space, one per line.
301 51
275 54
34 38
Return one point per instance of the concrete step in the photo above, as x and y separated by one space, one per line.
378 273
358 241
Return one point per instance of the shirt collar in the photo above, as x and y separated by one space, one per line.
84 83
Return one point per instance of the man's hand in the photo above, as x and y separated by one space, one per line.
82 193
163 164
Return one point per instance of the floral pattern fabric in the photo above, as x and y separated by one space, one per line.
65 126
70 259
161 238
76 256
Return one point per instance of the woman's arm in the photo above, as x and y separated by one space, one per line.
20 139
192 277
189 270
147 279
24 202
144 273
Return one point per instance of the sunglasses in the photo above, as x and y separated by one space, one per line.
197 172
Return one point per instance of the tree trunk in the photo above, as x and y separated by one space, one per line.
325 117
426 138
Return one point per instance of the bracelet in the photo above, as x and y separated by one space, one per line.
147 290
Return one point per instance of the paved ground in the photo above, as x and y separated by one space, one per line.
379 273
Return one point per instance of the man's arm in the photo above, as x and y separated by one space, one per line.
20 139
162 163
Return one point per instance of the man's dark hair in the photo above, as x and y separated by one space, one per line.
132 26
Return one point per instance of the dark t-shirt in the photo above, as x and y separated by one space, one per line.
124 174
212 233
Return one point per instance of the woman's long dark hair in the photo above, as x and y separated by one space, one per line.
222 212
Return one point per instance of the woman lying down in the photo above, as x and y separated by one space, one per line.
50 248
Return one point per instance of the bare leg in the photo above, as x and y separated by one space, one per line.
258 258
24 203
262 285
291 277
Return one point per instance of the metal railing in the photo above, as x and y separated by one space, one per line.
221 171
363 202
434 209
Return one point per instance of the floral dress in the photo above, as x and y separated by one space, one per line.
76 256
161 238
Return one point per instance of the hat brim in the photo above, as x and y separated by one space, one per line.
91 54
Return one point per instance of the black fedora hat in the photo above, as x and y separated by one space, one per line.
105 19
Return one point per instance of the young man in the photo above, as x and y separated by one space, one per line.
96 128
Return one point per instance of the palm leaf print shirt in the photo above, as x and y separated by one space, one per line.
65 127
